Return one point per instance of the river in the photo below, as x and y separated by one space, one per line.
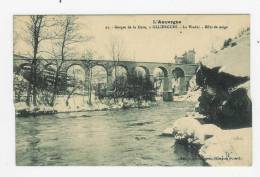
121 137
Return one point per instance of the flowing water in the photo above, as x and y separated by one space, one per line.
122 137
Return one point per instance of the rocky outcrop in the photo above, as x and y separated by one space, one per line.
230 148
224 101
216 146
225 88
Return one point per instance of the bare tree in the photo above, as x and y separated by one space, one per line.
67 35
36 29
78 85
88 56
116 49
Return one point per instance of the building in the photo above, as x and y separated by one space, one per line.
187 58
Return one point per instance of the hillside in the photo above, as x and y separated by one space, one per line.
234 58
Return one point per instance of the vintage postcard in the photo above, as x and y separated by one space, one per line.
132 90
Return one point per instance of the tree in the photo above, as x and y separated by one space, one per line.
77 85
158 84
140 87
116 49
20 86
88 56
36 28
121 84
66 36
227 43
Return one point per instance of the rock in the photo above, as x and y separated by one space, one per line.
223 98
231 148
191 96
194 115
186 129
21 106
216 146
167 132
207 131
191 130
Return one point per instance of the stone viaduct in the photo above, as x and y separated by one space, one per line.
170 70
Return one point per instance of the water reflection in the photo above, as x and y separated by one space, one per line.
33 141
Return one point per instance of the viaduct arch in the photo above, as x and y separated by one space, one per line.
171 70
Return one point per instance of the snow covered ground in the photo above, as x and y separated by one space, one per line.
80 103
216 146
191 96
193 92
229 148
233 59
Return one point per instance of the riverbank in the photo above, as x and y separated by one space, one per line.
24 110
216 146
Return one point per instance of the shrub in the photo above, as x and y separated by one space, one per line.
227 42
233 44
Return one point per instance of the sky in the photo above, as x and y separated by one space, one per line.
150 44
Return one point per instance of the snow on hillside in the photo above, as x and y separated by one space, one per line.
235 58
